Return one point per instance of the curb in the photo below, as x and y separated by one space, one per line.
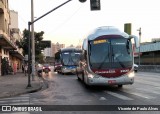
42 83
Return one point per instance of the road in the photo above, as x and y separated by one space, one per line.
67 90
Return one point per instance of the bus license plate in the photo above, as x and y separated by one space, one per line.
111 81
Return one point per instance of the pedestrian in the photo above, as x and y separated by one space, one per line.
15 68
22 68
25 69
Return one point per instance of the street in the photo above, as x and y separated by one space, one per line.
67 90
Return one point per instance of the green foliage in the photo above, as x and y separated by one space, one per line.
38 45
40 58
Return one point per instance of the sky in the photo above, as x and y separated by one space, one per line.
70 23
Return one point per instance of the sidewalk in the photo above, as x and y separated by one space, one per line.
12 85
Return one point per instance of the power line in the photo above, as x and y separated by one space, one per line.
63 23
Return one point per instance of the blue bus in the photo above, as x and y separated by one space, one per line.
66 60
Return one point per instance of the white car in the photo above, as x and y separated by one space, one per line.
135 67
39 67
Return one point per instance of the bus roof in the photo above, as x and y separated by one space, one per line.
69 49
106 30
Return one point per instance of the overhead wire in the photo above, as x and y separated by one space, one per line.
64 22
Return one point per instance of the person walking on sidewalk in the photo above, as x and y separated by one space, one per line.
22 68
25 69
15 68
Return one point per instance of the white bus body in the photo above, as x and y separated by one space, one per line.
100 63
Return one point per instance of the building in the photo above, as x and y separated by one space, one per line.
16 56
47 52
149 53
57 47
5 42
10 54
14 19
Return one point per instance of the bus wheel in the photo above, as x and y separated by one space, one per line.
120 86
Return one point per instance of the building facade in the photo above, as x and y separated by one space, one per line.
16 56
57 47
149 54
8 42
5 44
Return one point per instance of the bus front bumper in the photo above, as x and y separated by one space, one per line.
68 70
122 80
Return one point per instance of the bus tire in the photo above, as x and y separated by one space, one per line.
120 86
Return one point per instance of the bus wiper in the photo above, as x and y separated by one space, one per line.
122 65
100 66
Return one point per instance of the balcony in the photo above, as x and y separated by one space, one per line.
5 41
1 7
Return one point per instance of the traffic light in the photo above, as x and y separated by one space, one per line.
82 0
95 5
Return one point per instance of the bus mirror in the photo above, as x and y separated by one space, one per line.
136 40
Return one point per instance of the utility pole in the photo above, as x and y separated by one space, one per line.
29 40
29 56
33 40
139 60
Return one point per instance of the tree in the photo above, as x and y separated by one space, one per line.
38 43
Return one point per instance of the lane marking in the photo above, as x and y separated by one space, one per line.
102 98
143 95
149 90
118 95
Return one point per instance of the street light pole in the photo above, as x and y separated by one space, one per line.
29 40
29 56
139 60
33 40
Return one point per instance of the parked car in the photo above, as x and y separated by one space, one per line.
135 67
39 67
57 67
46 67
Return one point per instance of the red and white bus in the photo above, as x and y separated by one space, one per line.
107 58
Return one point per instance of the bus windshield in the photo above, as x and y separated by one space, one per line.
109 53
70 58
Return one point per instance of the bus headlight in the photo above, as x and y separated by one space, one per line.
90 76
64 68
131 74
93 76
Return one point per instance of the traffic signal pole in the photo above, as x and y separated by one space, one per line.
29 56
29 40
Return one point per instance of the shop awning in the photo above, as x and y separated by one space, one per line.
16 54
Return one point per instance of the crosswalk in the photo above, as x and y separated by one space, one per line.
122 94
19 100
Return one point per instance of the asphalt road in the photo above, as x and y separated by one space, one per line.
67 90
